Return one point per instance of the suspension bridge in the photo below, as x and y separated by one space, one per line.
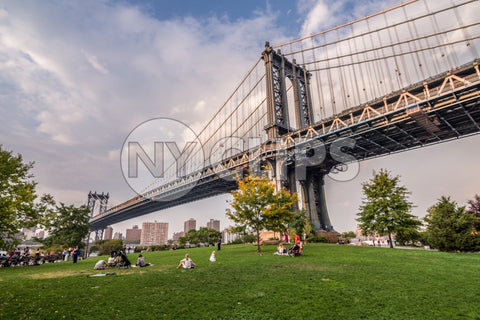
404 78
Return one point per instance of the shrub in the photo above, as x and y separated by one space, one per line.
105 247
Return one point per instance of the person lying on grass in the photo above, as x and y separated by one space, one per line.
186 263
100 265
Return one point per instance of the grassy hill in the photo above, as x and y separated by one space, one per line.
328 282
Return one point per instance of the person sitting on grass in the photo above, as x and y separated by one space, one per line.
111 261
100 265
141 262
281 250
186 263
212 257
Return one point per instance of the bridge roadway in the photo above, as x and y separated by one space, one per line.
441 108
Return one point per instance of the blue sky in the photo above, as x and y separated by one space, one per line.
77 76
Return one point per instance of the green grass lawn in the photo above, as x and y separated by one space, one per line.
328 282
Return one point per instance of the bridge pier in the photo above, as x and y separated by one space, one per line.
312 190
102 199
314 200
99 234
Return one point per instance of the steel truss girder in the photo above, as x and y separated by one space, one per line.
454 109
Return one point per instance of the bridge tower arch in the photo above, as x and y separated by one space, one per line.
102 199
278 69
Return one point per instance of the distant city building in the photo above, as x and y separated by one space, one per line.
177 235
133 234
189 225
154 233
214 224
228 237
29 233
118 236
108 233
40 234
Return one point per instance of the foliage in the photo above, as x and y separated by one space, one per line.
256 205
408 237
328 282
105 247
245 238
301 223
156 247
475 209
317 238
68 226
450 227
202 235
279 213
17 196
385 208
349 234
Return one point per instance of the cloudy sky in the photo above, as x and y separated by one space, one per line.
77 76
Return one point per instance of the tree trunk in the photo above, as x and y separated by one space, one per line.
258 240
390 240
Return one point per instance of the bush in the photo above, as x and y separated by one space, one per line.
317 238
105 247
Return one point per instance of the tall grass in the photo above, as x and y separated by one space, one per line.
328 282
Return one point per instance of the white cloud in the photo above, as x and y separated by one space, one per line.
94 62
77 77
316 18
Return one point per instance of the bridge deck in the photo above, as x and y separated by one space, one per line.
442 108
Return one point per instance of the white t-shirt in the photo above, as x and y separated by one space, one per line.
187 263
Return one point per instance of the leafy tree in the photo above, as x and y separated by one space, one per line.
256 205
349 234
300 224
450 227
279 213
475 209
105 247
17 199
385 208
202 235
68 227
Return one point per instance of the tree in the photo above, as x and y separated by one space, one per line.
17 196
301 224
450 227
475 209
105 247
385 208
256 205
68 227
279 213
349 234
202 235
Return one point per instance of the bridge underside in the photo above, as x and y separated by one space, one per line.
426 114
140 206
452 116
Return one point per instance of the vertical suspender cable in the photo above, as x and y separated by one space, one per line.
465 32
418 65
330 82
343 92
355 80
321 105
369 73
